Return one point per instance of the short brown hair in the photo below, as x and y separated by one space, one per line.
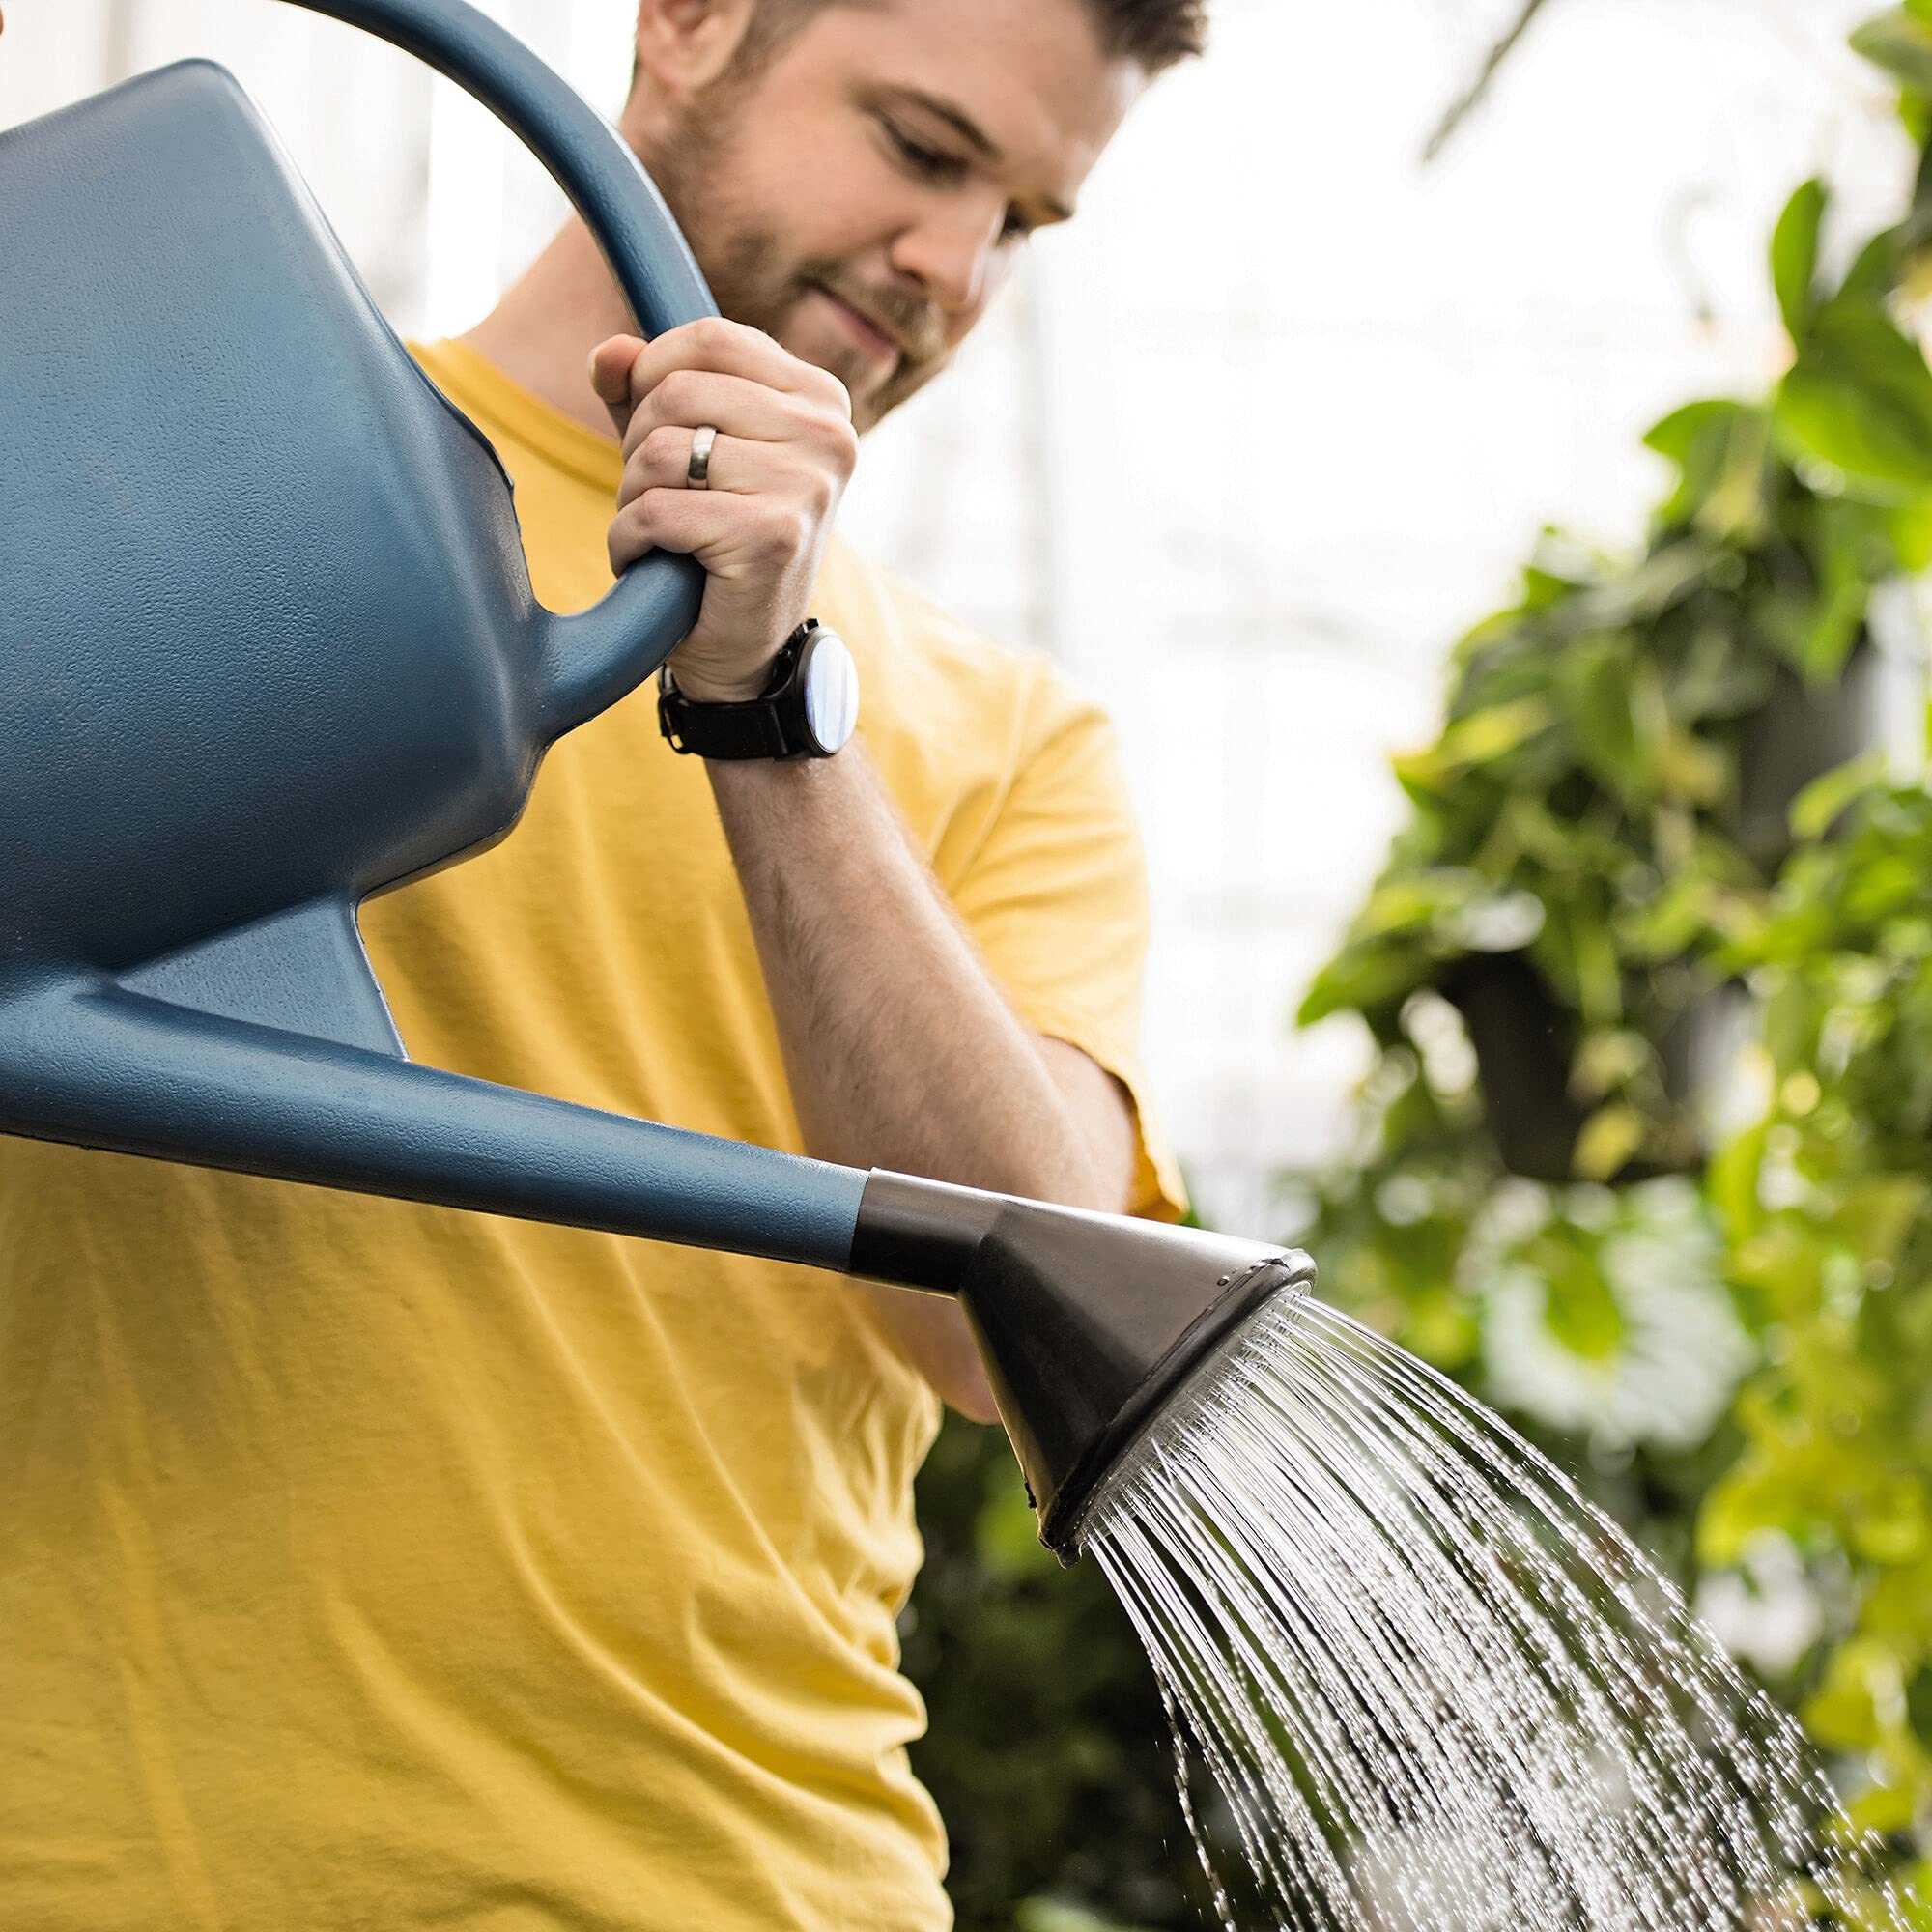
1153 33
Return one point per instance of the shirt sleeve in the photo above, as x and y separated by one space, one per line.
1056 899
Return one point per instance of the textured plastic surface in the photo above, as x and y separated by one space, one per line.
1087 1323
267 644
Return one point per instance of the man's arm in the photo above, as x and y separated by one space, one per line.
899 1050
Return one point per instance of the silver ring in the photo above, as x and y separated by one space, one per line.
698 471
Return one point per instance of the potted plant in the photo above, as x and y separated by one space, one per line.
1624 743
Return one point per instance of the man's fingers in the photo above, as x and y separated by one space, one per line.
661 461
731 348
677 519
738 468
732 404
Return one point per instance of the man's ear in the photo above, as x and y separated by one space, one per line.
684 46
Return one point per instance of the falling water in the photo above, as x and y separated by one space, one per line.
1434 1689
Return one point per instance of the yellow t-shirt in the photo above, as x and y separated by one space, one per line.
364 1565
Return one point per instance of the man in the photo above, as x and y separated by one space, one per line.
373 1566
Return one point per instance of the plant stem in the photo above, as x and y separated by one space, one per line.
1471 97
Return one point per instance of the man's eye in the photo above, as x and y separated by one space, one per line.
928 161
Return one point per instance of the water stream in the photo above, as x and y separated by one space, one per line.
1432 1688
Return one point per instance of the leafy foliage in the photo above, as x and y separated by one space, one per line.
1828 1206
1608 801
1048 1749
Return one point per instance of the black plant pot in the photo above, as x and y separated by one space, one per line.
1801 732
1525 1040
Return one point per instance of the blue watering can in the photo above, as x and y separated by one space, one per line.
268 645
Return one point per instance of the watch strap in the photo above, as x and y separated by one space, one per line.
743 728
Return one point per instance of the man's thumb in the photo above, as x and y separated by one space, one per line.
610 364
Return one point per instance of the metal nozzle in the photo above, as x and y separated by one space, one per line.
1088 1323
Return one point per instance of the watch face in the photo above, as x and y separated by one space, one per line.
831 681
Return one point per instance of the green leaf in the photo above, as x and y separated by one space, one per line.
1892 1526
1732 1181
1402 903
1901 42
1596 675
1718 448
1860 399
1478 739
1873 275
1843 1713
1875 1214
1918 1705
1362 978
1608 1139
1747 1500
1883 1808
1794 257
1818 807
1911 528
1050 1914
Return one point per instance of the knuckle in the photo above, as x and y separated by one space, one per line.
838 396
844 442
660 447
822 490
643 419
626 540
785 530
676 396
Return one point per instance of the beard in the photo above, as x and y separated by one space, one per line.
756 281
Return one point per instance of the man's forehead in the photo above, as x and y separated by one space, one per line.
1026 84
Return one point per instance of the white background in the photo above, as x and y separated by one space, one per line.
1253 442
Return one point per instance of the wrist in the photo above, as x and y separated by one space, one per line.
702 689
805 707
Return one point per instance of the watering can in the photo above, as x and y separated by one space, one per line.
268 645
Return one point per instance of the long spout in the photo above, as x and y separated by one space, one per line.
108 1068
1088 1323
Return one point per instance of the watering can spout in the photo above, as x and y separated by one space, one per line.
116 1065
1088 1324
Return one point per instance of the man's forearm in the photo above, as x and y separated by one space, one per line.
900 1049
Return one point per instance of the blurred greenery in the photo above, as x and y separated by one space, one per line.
1648 841
1048 1749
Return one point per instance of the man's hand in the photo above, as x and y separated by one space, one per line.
784 451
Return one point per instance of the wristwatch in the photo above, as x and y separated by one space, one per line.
808 709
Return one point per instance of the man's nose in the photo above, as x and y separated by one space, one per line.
951 254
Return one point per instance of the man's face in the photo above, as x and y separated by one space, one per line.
863 195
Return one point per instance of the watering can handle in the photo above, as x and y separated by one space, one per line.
590 660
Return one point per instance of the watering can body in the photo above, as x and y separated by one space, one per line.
269 640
